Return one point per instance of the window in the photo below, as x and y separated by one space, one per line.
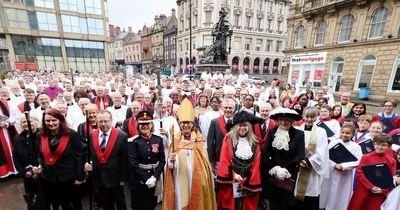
207 40
270 6
95 26
237 20
320 33
237 43
17 18
208 16
47 21
237 3
278 46
260 5
268 46
74 24
249 3
280 8
259 23
365 71
44 3
378 23
209 1
299 36
93 7
247 44
248 22
14 1
279 24
70 5
346 26
194 21
394 83
225 2
269 23
259 44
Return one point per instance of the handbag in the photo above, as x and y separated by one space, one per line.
286 184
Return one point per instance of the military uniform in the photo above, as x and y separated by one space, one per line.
146 161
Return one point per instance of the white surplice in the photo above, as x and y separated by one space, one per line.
337 190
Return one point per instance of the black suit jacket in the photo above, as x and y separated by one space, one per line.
70 166
24 153
115 170
214 140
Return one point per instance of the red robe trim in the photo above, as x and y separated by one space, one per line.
52 158
8 167
105 102
21 107
222 125
102 157
225 178
257 132
85 130
132 127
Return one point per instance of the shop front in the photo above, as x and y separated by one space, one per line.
305 68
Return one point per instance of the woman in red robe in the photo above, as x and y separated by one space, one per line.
366 196
239 170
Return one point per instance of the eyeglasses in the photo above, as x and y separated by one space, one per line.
103 121
382 145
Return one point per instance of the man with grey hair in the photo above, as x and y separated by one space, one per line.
101 100
129 125
218 129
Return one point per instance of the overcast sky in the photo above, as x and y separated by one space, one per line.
136 13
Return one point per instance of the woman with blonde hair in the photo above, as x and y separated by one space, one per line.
239 170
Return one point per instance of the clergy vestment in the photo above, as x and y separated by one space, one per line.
6 139
189 185
340 181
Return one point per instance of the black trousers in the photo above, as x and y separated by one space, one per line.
143 200
309 203
109 196
64 194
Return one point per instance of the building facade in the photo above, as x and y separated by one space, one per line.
157 36
346 44
116 49
53 35
169 44
132 50
146 45
259 33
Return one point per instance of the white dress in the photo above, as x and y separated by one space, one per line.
337 190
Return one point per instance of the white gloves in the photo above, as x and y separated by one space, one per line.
280 173
151 182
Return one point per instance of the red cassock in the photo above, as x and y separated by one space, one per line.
362 197
226 178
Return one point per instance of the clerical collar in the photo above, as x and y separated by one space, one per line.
115 107
8 99
307 127
71 104
17 95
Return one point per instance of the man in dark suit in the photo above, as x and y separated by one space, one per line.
109 157
219 127
261 130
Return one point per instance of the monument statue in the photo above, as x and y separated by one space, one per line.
218 52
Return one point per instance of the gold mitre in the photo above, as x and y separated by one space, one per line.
186 111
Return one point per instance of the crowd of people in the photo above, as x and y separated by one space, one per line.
218 142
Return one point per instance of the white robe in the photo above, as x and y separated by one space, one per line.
337 190
205 120
118 114
319 161
392 201
334 125
13 115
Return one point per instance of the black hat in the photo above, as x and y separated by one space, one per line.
244 116
144 117
284 113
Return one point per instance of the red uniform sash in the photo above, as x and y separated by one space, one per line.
21 107
102 157
52 158
222 125
8 167
132 127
